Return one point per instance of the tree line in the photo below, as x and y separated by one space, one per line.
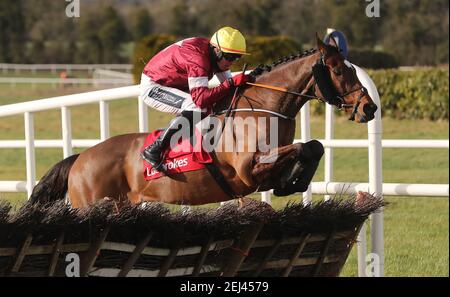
415 32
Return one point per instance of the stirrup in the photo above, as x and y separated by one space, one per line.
159 166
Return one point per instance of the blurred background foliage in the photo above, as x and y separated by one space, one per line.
413 32
407 33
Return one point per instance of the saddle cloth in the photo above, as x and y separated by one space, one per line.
182 158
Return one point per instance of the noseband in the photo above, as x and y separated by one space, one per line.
330 95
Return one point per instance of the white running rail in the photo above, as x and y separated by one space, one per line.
17 68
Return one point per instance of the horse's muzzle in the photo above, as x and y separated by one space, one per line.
369 111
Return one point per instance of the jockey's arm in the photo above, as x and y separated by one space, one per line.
224 75
202 95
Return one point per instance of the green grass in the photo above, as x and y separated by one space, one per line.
415 228
415 238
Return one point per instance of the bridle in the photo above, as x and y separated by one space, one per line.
322 79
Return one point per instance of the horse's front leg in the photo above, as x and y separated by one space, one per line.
298 177
266 165
292 169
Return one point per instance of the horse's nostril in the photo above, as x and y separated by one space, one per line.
369 109
374 107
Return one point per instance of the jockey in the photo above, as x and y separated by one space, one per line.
176 81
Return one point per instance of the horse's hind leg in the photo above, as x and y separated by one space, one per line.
92 179
77 190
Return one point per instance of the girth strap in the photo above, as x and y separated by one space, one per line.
220 179
217 175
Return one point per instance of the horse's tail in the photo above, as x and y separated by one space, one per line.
53 185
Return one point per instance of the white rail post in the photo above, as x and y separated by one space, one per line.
104 120
305 136
362 251
376 187
375 176
29 152
329 133
143 115
265 197
66 131
376 184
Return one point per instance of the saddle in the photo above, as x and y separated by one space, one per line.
182 158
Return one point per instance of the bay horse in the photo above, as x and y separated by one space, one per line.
113 168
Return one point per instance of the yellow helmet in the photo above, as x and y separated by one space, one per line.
229 40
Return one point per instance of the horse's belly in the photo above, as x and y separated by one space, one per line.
193 188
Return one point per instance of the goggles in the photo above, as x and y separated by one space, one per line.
231 57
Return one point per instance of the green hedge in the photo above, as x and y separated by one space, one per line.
265 50
415 94
146 48
372 59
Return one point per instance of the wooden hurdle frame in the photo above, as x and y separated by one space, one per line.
321 261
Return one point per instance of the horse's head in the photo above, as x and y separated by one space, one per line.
338 84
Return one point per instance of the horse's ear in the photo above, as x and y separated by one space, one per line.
320 45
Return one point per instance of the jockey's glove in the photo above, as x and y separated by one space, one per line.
240 80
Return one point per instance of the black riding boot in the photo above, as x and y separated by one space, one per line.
153 154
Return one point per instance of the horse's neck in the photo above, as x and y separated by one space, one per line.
294 76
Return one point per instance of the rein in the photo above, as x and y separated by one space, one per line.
323 81
284 90
339 106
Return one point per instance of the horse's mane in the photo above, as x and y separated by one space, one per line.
261 68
